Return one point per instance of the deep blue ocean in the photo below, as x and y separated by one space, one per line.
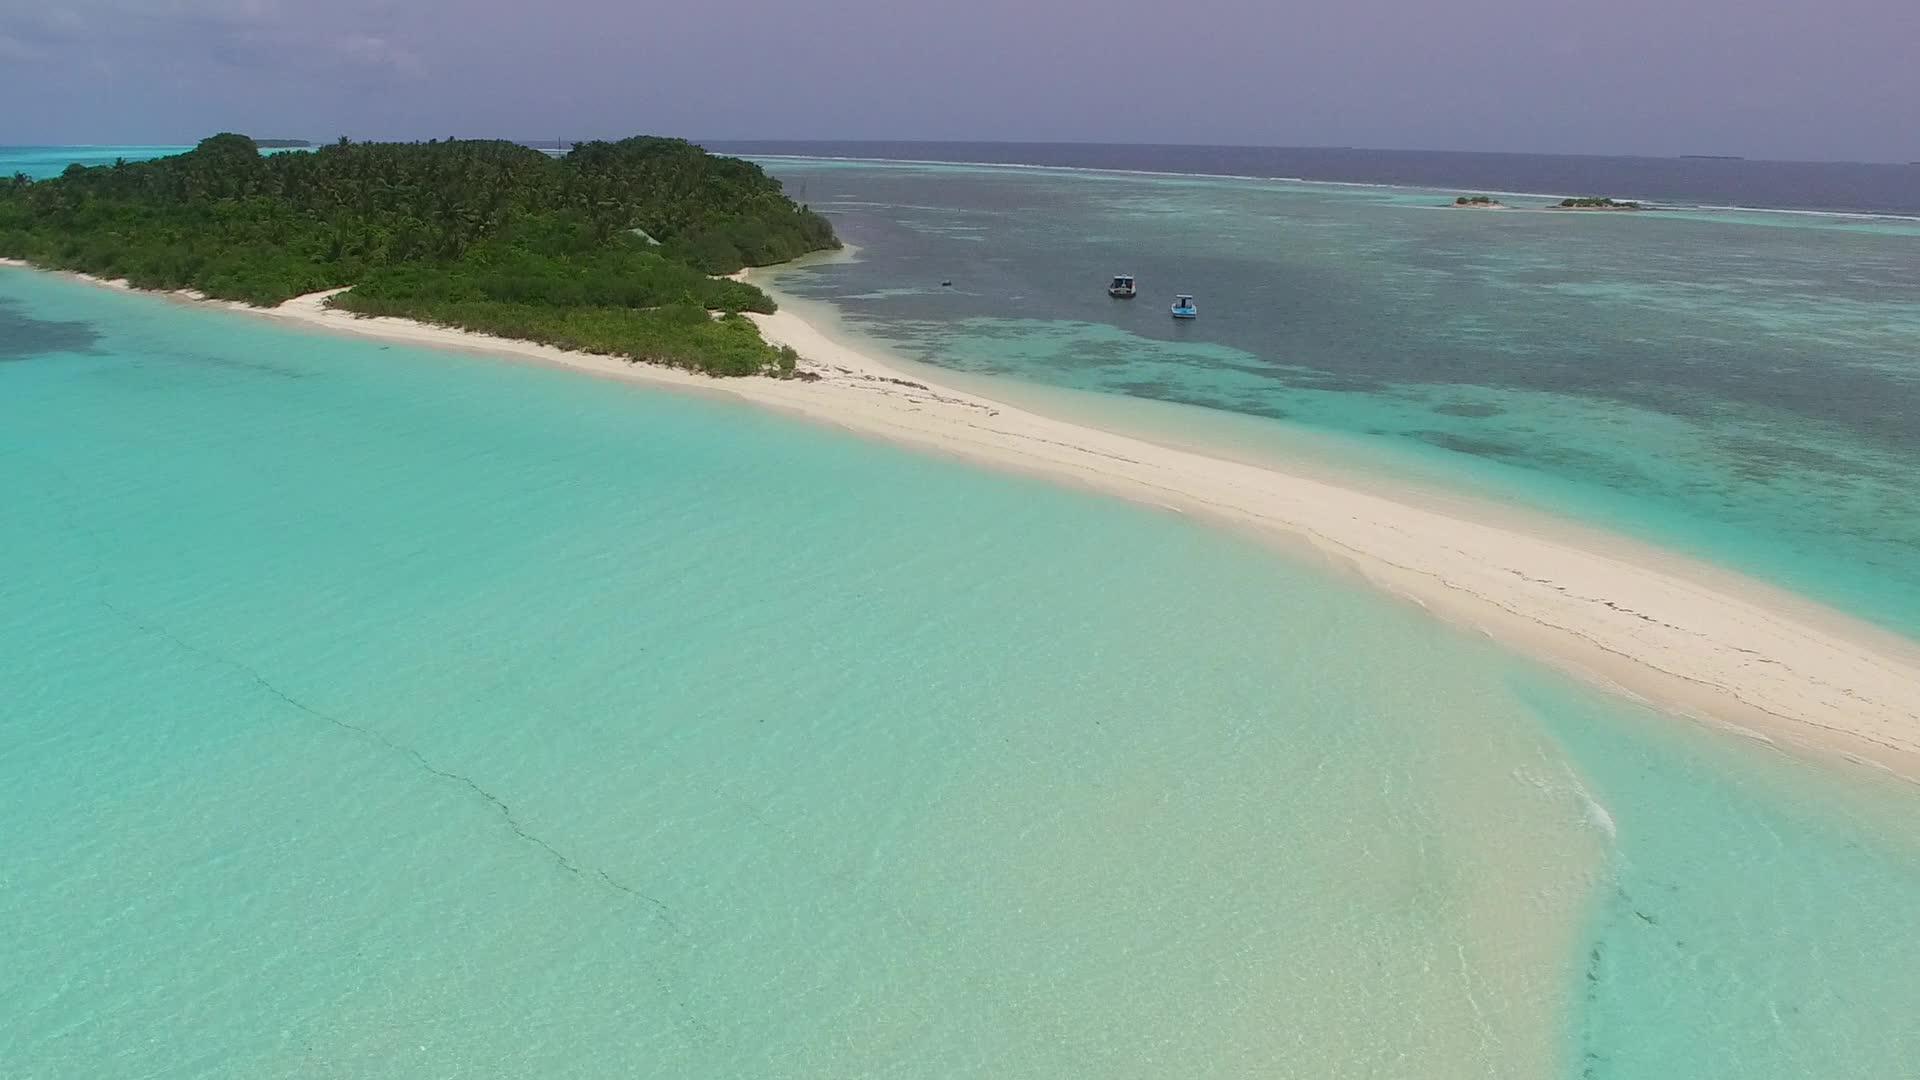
1849 187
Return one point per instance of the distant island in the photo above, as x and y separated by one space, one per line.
1592 202
1711 157
282 144
1595 202
612 248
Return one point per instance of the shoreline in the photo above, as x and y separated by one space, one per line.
1686 638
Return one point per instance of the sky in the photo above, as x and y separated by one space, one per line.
1838 80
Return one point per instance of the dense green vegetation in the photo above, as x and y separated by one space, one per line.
1475 200
612 248
1595 202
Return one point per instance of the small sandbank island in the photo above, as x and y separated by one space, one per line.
1591 202
1595 202
631 251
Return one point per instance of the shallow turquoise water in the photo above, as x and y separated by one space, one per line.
1728 937
1743 387
374 712
40 162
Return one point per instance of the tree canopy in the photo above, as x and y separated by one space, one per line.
612 247
1597 202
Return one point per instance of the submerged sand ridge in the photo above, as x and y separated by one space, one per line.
1689 638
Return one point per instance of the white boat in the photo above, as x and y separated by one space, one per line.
1183 308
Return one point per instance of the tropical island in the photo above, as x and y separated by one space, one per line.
1595 202
1480 202
282 144
613 248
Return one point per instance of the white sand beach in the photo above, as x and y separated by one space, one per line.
1691 639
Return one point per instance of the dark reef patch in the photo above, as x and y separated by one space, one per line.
1466 444
23 337
1472 409
1761 460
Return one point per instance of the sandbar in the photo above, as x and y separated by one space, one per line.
1685 637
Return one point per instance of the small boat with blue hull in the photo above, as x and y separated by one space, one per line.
1183 308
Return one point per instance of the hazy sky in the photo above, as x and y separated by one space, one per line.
1762 78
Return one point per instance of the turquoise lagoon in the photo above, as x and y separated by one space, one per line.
41 162
378 712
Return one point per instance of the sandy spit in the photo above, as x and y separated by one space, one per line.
1691 639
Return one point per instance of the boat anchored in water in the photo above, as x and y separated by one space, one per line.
1183 308
1122 287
